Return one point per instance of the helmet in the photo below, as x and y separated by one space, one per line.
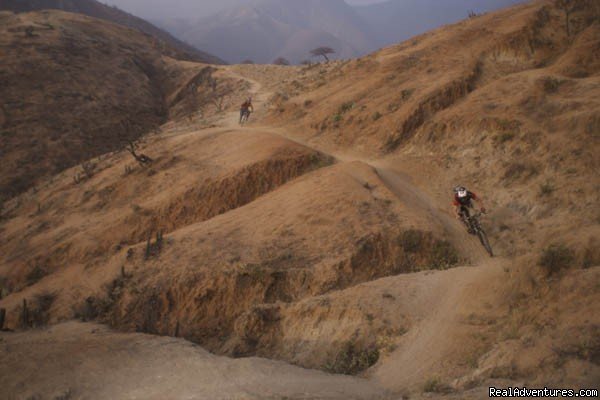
461 191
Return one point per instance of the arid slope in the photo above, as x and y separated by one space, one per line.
321 233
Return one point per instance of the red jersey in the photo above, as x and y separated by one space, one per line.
463 201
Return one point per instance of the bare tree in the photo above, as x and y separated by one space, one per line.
568 6
217 97
140 158
281 61
218 101
322 51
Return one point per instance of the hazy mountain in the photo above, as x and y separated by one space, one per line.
153 10
397 20
98 10
266 29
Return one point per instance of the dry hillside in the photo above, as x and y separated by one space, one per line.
73 88
95 9
321 233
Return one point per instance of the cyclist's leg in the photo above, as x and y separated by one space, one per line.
464 214
467 214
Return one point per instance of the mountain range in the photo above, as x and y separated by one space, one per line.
263 30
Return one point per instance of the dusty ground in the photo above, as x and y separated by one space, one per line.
105 365
321 235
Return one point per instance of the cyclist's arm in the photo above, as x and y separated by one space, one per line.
479 202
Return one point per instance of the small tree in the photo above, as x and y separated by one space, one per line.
281 61
322 51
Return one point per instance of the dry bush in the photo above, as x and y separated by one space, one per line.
518 170
435 385
546 189
438 254
591 254
36 314
556 257
36 274
504 137
353 359
551 85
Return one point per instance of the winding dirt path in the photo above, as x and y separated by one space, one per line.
446 296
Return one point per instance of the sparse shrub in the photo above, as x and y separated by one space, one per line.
472 14
407 93
345 107
435 385
41 306
153 249
520 170
504 137
376 116
591 254
546 189
551 85
88 169
337 118
308 103
35 275
556 257
88 311
412 241
353 359
443 255
281 61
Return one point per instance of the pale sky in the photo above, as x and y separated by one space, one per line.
158 9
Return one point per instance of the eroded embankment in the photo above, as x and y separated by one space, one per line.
229 277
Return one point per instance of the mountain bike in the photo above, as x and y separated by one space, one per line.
244 117
475 228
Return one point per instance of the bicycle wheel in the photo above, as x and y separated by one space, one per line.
485 242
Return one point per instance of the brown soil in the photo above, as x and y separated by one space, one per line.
321 233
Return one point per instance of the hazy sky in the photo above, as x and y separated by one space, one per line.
159 9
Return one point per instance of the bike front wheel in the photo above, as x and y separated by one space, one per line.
485 242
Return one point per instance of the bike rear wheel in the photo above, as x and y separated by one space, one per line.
485 242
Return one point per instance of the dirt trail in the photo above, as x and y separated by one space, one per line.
136 366
425 350
397 182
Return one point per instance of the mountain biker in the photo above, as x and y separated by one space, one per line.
245 109
463 201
